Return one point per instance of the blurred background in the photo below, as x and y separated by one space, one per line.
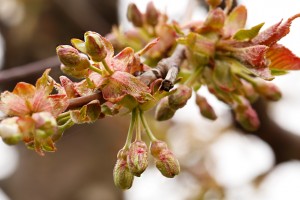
218 159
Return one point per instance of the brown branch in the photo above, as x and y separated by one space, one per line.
167 69
28 69
81 101
285 145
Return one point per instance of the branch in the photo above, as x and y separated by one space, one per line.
167 69
81 101
28 69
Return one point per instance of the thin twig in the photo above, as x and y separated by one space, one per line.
81 101
167 69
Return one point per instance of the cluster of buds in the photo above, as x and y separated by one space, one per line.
134 161
235 63
147 26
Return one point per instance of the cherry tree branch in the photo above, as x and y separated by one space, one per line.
81 101
167 69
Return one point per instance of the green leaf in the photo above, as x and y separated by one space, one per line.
248 34
278 72
235 21
79 44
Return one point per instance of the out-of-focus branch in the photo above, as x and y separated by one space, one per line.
28 69
286 145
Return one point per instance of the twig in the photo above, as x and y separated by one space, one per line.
167 69
80 101
28 69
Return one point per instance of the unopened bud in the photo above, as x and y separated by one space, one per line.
206 109
249 91
163 110
156 147
45 122
123 178
268 90
213 3
152 14
94 46
137 158
215 19
134 15
246 116
72 58
180 97
165 160
9 131
167 164
73 72
68 55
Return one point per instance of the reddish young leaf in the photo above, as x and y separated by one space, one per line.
253 55
274 33
282 58
117 86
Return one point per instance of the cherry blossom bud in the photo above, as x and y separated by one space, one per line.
180 97
94 46
134 15
137 157
156 147
123 178
167 164
163 110
152 14
268 90
246 116
9 131
45 122
215 19
165 161
213 3
205 108
72 58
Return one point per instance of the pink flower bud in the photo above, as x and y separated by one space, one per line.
94 46
45 122
268 90
123 178
215 19
71 58
167 164
180 97
246 116
68 55
152 14
137 157
9 131
165 161
205 108
134 15
213 3
163 110
156 147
